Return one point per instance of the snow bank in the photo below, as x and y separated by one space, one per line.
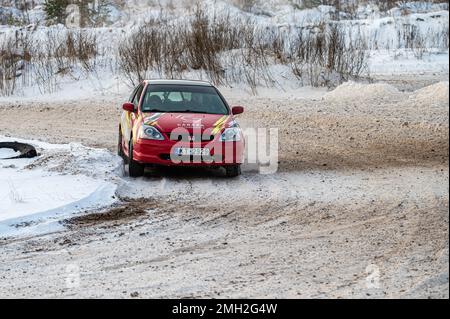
353 90
435 93
385 62
65 179
26 192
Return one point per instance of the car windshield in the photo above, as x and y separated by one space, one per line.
183 99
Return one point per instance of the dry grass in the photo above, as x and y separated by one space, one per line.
25 60
224 49
230 50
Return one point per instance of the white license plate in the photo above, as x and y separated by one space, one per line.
196 151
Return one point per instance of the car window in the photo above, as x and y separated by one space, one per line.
183 99
137 96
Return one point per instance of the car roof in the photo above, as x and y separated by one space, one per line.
179 82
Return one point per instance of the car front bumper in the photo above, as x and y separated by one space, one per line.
162 153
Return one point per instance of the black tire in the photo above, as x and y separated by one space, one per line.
233 170
119 145
135 169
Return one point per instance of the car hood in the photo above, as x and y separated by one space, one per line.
166 122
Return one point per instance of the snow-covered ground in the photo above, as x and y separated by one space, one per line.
33 199
8 153
362 180
362 185
383 62
410 38
71 178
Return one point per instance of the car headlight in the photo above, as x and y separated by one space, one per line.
231 134
150 133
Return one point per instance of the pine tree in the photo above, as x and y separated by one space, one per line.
55 10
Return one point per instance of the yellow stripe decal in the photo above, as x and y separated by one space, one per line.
152 120
135 127
219 124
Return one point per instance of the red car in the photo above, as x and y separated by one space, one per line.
183 123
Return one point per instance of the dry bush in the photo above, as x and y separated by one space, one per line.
442 39
205 40
26 59
235 50
72 47
82 47
409 37
226 32
58 52
216 46
9 66
421 43
46 62
15 56
321 56
173 52
142 51
172 49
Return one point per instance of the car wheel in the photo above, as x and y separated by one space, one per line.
233 170
135 169
119 146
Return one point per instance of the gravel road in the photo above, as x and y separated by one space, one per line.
358 208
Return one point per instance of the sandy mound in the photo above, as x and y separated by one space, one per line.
353 90
435 93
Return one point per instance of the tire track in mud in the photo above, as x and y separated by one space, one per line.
289 246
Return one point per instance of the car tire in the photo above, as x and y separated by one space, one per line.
135 169
120 146
233 170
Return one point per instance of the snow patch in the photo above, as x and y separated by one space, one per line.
435 93
26 192
353 90
249 189
402 61
35 194
8 153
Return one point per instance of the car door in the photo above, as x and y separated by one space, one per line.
128 118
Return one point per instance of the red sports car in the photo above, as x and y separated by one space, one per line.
183 123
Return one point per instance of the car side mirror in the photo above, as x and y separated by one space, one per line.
128 107
237 110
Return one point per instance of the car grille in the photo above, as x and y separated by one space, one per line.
191 138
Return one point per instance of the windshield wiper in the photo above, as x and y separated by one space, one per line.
190 111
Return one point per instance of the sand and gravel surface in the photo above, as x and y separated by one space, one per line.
358 207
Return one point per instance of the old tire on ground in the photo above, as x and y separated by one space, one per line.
26 150
135 169
233 170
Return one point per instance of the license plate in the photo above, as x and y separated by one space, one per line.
196 151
